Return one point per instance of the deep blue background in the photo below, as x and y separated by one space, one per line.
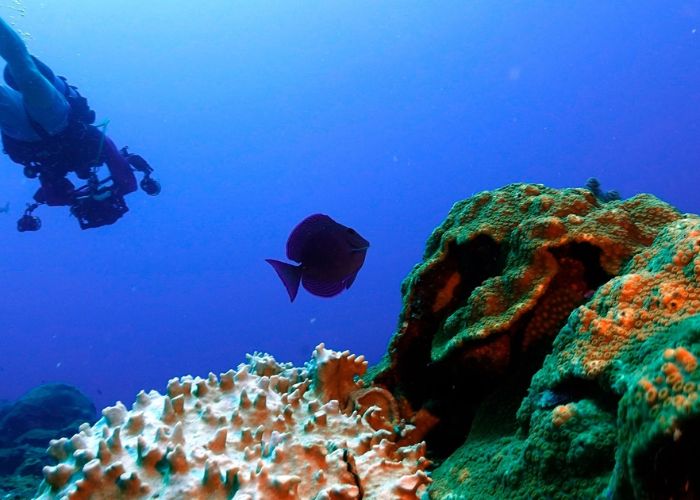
257 114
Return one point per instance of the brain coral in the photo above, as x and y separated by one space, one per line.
267 430
499 278
614 411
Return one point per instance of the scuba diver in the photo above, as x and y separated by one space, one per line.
48 127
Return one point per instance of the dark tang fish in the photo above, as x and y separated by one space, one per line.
330 255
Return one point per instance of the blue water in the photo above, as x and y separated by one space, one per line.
257 114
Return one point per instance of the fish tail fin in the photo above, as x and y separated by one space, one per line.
289 274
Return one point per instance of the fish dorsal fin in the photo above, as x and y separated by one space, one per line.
313 224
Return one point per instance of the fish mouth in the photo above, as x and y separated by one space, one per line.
359 249
356 245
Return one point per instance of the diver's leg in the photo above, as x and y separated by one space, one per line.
123 178
43 101
13 117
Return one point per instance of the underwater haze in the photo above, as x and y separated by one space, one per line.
256 114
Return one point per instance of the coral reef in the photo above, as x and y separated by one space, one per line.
46 412
266 430
547 347
499 278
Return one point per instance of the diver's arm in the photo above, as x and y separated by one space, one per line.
123 179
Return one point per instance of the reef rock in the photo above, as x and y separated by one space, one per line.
266 430
26 425
48 407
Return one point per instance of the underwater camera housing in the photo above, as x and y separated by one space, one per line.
95 212
149 185
30 172
29 222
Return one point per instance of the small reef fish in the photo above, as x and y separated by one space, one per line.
5 209
329 255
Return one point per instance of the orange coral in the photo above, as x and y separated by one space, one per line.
562 413
445 295
650 392
683 356
673 389
658 288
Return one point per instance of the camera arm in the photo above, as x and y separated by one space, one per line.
149 185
